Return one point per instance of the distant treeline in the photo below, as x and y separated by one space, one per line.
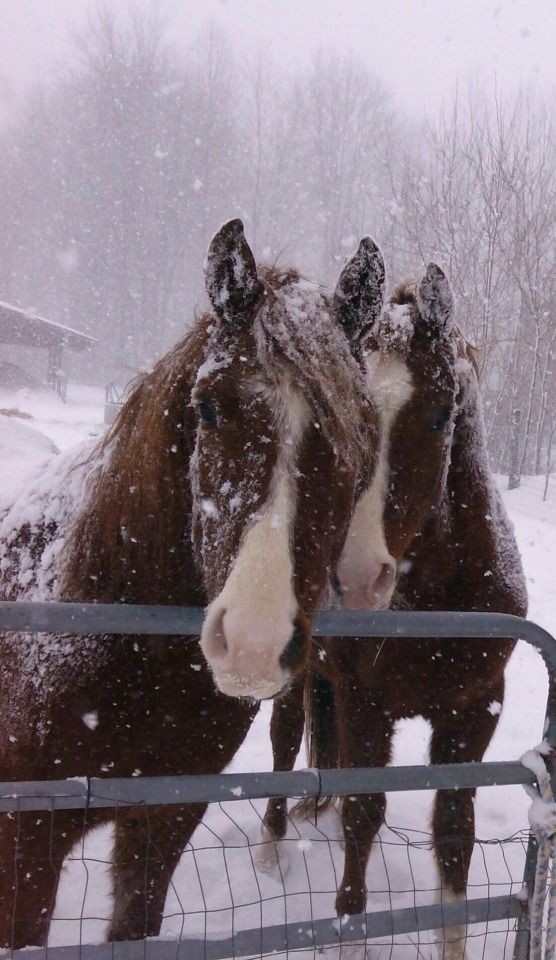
113 180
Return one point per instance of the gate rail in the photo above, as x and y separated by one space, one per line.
164 621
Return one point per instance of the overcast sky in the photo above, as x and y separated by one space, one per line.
419 48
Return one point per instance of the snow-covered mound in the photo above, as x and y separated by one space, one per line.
64 423
24 451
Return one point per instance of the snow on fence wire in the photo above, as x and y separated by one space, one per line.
293 932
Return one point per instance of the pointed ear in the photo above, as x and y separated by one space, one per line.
436 301
231 273
359 292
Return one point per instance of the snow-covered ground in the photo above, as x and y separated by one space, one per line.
63 423
217 887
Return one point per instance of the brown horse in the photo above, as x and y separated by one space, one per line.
455 549
230 476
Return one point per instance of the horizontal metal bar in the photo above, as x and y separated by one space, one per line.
119 618
178 621
293 936
93 793
100 618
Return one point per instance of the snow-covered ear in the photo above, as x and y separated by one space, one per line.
360 290
435 301
231 273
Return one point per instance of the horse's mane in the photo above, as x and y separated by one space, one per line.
139 498
139 485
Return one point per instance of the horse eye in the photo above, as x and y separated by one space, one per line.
208 413
442 419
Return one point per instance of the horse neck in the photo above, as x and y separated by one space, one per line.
471 495
477 562
132 541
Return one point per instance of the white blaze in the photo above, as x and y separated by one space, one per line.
366 569
251 621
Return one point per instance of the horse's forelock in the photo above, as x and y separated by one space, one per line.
295 339
397 326
297 336
395 329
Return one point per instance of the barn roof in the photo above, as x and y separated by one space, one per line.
27 329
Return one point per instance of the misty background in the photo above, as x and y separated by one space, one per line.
128 133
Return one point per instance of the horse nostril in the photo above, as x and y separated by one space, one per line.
385 579
293 652
336 585
220 635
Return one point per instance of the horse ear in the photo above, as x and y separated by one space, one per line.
360 290
231 273
436 301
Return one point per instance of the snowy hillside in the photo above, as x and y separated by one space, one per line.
223 880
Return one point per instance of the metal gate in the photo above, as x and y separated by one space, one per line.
91 793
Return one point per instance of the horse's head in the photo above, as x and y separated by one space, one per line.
414 365
284 430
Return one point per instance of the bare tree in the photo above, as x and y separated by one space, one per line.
112 182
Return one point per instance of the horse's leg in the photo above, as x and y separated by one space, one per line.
365 734
460 737
148 845
32 850
286 733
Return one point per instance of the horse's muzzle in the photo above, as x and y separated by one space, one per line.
249 657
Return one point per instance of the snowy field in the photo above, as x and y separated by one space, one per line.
217 885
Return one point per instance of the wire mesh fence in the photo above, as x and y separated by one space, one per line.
235 894
231 887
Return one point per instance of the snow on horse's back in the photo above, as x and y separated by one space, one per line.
36 523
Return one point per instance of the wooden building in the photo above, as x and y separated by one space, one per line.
21 328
